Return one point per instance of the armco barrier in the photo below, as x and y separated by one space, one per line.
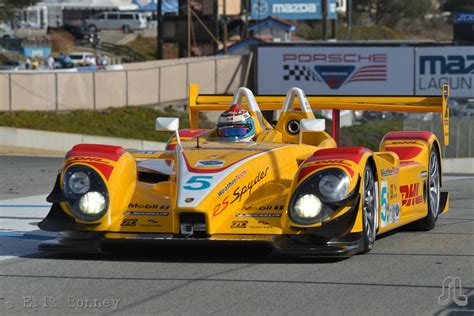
144 83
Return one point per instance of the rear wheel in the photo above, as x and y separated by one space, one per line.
433 189
369 213
126 28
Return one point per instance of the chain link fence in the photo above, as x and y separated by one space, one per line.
461 132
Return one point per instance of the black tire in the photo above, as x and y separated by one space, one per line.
126 28
93 28
369 208
433 192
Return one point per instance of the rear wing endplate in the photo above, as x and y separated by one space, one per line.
421 104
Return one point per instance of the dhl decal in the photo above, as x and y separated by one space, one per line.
407 142
410 194
405 152
311 169
100 164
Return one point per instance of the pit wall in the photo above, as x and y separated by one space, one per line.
137 84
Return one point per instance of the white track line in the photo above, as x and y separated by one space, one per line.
19 233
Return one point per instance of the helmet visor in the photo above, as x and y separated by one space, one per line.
232 131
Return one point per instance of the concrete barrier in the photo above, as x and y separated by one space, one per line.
33 142
26 141
146 83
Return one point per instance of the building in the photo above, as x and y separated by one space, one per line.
59 12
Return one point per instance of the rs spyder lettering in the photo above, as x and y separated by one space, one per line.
239 192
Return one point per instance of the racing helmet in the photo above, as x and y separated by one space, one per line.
236 124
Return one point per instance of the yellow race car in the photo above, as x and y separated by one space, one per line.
291 187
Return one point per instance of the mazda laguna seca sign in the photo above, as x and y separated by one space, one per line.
336 70
436 66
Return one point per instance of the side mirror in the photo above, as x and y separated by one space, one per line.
167 124
312 125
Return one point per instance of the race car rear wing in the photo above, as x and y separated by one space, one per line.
422 104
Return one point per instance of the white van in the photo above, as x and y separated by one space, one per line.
125 21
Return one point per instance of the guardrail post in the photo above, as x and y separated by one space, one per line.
94 97
10 98
126 87
216 77
469 149
457 138
187 79
56 91
159 85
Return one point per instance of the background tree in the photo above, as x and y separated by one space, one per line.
8 8
389 12
458 6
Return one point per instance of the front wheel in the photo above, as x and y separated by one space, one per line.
433 188
369 213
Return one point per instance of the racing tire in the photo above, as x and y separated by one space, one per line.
369 209
433 192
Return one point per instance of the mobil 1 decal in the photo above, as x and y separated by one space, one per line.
336 70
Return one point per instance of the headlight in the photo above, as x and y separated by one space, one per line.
92 203
86 193
319 196
308 206
79 182
334 187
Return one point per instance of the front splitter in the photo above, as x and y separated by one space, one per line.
280 244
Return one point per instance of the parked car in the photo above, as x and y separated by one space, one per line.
468 110
82 59
79 32
125 21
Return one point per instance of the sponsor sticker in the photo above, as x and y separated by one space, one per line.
210 163
239 224
148 206
239 215
389 171
151 223
138 213
394 213
384 203
129 222
261 224
231 182
411 195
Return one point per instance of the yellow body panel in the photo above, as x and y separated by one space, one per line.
244 189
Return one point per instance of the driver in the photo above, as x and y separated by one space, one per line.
236 125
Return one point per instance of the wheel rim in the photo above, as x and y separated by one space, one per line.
433 182
369 204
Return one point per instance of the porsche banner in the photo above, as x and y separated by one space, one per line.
336 70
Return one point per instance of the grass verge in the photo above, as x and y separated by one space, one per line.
139 123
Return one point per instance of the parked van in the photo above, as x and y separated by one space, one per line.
125 21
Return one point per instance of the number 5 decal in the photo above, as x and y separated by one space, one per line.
198 183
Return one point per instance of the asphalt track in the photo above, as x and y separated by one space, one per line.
402 275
